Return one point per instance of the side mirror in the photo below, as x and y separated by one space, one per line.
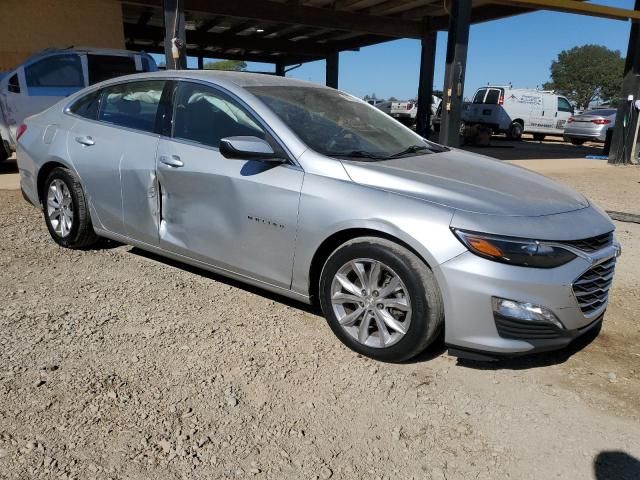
248 148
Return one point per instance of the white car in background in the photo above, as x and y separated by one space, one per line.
515 111
47 77
406 112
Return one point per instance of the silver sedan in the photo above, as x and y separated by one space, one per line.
311 193
592 125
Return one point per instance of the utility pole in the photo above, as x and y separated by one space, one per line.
175 44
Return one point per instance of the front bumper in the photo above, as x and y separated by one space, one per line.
468 283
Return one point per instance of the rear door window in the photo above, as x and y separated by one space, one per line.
479 96
106 67
55 75
493 96
132 105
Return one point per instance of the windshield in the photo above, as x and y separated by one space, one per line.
336 124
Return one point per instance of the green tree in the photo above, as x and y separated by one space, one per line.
587 73
233 65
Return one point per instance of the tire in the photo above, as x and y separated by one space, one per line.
515 131
408 331
79 231
538 137
4 154
577 141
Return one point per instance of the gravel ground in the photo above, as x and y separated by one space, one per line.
119 365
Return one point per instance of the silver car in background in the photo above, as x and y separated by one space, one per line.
591 125
311 193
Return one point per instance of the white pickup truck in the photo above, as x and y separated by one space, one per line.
49 76
407 111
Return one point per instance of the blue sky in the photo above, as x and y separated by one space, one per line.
517 50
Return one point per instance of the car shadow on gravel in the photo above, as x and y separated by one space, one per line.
312 309
616 464
536 360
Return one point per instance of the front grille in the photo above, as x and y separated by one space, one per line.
592 244
525 330
592 288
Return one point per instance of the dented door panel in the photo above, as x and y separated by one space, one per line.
234 214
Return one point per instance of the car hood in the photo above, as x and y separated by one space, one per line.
468 182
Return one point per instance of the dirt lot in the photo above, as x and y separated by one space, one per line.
118 365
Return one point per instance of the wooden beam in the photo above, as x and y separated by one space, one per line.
174 26
244 42
145 16
270 11
261 57
573 6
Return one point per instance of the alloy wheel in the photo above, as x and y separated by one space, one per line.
371 303
60 207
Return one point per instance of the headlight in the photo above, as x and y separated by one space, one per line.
514 251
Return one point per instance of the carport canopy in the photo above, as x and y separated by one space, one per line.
290 32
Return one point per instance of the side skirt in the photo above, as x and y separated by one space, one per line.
205 266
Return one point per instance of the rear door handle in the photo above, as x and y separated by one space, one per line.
86 141
172 160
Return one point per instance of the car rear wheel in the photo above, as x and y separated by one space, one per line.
578 141
515 131
380 299
66 212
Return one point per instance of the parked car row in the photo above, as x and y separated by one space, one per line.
53 74
515 112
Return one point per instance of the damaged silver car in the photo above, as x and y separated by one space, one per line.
312 193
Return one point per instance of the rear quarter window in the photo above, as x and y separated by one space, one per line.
87 106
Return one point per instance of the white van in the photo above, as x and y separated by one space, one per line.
48 76
515 111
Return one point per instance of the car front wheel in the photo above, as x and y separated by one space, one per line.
380 299
66 212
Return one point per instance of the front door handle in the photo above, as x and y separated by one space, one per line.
86 141
172 160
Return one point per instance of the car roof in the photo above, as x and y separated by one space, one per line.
96 51
240 79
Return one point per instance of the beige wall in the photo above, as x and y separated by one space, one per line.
27 26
